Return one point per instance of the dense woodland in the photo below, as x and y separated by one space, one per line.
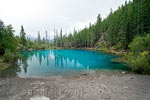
125 29
118 29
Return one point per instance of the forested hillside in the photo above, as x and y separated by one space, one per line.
118 29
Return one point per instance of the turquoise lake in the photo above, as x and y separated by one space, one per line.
44 63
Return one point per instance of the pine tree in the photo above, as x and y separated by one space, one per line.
97 29
22 36
46 36
61 44
39 39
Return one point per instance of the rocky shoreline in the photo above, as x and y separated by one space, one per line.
83 87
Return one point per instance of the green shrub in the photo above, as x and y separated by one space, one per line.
104 49
54 47
139 57
8 56
105 44
98 45
118 46
17 56
140 44
43 46
140 62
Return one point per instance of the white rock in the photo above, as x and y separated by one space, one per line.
123 72
104 86
92 81
125 87
39 98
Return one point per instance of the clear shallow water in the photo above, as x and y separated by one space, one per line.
44 63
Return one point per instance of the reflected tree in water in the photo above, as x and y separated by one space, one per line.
68 59
24 65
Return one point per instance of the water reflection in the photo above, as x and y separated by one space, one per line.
58 62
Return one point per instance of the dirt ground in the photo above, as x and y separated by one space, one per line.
83 87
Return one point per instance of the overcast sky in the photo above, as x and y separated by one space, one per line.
41 15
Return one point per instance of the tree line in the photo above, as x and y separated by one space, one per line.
118 29
9 41
10 44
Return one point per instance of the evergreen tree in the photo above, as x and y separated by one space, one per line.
46 37
22 36
39 39
61 41
97 29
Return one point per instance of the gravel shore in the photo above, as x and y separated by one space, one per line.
83 87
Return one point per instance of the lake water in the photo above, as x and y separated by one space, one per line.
44 63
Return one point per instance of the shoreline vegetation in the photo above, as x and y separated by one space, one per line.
124 32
